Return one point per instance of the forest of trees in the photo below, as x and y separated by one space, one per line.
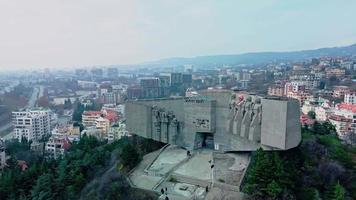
321 167
67 177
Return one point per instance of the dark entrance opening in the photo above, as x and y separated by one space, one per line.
205 140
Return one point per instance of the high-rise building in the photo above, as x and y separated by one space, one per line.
32 124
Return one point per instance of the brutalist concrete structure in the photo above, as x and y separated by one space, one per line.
219 119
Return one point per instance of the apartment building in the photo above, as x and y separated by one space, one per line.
276 90
32 125
334 72
89 117
340 91
57 145
350 97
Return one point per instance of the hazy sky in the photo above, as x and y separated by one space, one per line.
56 33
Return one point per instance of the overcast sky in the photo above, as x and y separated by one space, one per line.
58 33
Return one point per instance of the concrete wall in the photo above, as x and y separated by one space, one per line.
244 126
293 135
280 123
138 119
274 114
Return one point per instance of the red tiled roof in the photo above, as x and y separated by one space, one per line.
306 120
111 115
345 106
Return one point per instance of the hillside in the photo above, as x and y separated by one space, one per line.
259 57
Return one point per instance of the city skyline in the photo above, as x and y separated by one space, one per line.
40 34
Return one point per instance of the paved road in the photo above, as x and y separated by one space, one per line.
33 99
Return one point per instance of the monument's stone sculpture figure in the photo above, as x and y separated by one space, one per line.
222 120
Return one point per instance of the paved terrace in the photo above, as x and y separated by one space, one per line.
186 177
139 178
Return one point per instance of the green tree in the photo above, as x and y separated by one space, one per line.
339 192
78 111
324 128
311 114
270 175
274 189
67 104
130 156
259 174
43 188
335 192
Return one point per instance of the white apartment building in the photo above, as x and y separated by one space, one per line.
350 98
322 113
344 119
309 81
31 124
68 130
57 145
89 118
103 125
117 131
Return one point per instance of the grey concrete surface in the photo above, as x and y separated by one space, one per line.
220 120
169 158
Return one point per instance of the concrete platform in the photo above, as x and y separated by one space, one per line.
198 166
145 181
182 190
168 159
229 167
138 176
186 177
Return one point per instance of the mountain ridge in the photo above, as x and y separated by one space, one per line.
260 57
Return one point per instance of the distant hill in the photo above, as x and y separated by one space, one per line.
259 57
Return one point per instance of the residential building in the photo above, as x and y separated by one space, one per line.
276 90
32 125
57 145
309 81
72 132
340 91
334 72
350 97
294 86
89 117
102 125
300 96
342 125
344 118
109 98
322 113
117 131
